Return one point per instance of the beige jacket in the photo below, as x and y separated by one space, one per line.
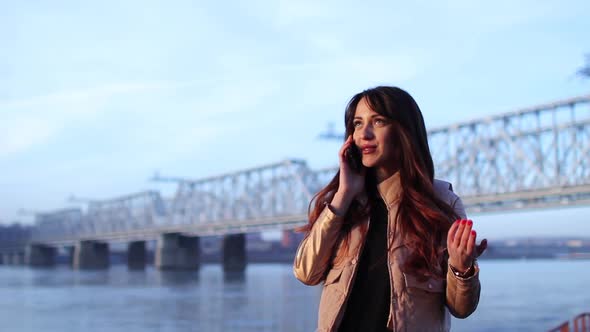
415 305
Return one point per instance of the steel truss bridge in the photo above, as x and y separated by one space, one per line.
536 157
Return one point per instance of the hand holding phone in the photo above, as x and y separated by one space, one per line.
354 158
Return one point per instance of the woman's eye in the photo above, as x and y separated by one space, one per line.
356 124
379 122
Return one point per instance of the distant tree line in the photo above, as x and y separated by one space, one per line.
15 235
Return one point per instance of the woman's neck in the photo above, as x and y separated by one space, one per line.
383 173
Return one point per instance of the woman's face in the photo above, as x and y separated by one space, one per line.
372 134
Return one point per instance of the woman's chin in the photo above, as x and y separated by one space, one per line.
368 164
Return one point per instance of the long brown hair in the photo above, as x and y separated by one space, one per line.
423 218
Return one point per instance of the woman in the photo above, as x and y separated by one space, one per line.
389 241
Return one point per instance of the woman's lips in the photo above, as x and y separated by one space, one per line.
368 149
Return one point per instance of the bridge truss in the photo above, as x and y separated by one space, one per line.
530 158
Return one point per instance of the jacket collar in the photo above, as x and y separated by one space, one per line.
390 189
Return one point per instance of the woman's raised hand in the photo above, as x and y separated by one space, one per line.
461 245
351 183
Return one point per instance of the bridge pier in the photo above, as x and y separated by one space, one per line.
70 253
18 258
177 252
38 255
90 255
234 253
136 255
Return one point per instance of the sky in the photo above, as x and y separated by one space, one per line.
97 96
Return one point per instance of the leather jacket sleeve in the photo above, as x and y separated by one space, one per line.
315 250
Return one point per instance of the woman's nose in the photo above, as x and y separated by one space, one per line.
367 132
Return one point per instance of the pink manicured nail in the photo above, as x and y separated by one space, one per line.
473 233
470 223
463 222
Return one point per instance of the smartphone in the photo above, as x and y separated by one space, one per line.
354 158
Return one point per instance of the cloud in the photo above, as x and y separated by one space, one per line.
82 95
28 122
292 12
24 132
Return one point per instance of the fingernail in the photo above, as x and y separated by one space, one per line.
463 222
469 222
473 233
458 221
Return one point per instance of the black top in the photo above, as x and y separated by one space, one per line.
367 308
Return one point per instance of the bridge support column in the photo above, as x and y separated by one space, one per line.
177 252
234 253
90 255
38 255
136 256
18 258
70 253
